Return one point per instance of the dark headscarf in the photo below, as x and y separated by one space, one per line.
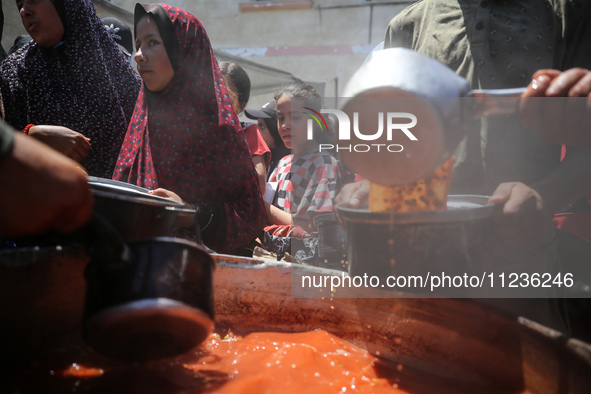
85 84
187 138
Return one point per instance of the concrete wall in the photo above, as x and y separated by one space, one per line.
324 42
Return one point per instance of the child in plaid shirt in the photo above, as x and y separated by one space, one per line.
308 180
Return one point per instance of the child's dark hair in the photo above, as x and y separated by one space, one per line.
240 79
311 98
302 91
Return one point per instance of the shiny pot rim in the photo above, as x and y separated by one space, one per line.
109 188
460 208
152 201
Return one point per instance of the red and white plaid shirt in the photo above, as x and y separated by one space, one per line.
309 184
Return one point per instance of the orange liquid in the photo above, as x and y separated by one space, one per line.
310 362
263 362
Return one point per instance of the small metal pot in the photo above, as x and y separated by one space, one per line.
134 213
399 80
454 241
148 299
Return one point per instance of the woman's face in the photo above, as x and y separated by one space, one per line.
41 21
153 63
266 133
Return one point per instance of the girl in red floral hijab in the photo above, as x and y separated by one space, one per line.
184 140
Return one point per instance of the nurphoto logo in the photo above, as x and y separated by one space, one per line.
395 122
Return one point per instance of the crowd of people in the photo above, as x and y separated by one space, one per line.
79 108
172 127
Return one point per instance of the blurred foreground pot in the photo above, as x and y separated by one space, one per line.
449 340
152 301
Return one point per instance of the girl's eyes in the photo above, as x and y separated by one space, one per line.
151 43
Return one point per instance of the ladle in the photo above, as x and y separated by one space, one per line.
406 83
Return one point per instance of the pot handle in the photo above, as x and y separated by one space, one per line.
488 102
183 214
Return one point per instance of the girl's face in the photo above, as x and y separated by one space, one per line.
266 133
41 21
292 124
153 63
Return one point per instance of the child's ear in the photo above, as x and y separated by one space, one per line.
241 106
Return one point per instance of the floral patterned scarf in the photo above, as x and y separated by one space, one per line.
188 139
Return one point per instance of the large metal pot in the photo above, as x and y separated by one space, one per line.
402 81
439 345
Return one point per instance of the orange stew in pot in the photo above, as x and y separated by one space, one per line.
261 362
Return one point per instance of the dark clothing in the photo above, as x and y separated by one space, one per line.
19 42
498 44
85 84
6 139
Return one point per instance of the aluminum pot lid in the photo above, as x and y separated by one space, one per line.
110 188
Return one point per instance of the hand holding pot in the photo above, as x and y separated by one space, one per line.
562 121
354 195
185 221
64 140
42 190
523 222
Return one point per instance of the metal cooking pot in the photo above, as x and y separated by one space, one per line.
448 340
454 241
134 213
332 242
399 80
148 299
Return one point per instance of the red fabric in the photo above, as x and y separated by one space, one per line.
287 230
256 143
578 223
188 139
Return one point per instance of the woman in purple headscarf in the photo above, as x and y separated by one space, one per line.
71 75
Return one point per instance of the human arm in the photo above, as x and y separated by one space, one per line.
62 139
276 215
528 209
354 194
42 190
211 217
261 170
261 155
565 120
